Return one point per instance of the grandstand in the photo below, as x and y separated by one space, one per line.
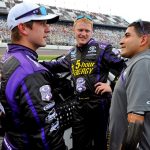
106 27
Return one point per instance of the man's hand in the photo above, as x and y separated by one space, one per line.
134 132
102 88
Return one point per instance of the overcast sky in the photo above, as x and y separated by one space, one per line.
130 10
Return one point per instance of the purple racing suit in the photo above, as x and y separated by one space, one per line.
30 121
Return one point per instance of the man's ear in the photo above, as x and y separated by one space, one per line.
144 40
22 29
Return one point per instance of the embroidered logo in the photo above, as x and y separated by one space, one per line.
92 49
46 94
148 102
49 106
80 85
73 55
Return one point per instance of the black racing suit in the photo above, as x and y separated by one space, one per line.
30 118
88 65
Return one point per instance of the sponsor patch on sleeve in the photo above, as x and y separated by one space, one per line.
45 91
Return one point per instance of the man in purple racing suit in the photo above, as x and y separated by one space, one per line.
30 121
89 63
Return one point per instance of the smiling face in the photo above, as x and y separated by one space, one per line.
83 31
132 43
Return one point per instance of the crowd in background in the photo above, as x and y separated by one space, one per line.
62 34
4 33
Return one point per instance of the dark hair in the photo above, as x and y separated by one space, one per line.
141 27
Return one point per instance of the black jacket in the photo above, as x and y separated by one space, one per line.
88 65
30 117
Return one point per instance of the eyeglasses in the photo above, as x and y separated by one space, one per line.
141 25
84 16
38 11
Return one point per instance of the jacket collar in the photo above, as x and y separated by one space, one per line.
12 48
86 45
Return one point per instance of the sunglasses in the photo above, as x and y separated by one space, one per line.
140 22
84 16
38 11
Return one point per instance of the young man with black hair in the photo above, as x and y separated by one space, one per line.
130 107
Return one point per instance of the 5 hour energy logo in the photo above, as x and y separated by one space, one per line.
82 67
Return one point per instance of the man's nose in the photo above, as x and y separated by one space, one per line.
47 30
121 42
84 33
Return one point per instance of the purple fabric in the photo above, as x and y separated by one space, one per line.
99 62
31 106
27 67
